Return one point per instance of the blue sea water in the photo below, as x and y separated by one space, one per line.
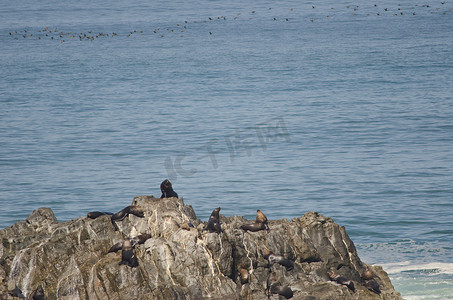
340 107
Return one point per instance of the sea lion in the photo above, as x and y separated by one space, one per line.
214 222
260 223
244 275
273 258
167 189
367 274
341 280
127 255
138 240
373 286
38 294
275 287
132 209
254 227
115 248
96 214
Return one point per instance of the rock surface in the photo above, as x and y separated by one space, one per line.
70 260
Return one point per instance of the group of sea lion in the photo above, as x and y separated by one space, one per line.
367 280
127 246
273 284
261 223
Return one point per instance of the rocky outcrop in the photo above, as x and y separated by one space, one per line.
70 260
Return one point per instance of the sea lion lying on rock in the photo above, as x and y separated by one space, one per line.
341 280
96 214
275 287
273 258
260 223
369 282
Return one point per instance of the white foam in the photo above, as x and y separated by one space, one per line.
438 267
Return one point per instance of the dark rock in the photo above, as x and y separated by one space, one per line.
70 260
373 286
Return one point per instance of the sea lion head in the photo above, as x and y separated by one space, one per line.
127 245
166 186
260 217
215 213
367 274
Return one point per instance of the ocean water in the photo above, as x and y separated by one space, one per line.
340 107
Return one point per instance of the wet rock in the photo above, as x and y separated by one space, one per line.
71 260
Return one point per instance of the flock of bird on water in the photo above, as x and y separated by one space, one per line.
62 36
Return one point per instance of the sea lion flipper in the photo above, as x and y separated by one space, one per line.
116 247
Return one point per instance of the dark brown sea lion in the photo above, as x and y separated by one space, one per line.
373 286
140 239
214 222
115 248
167 189
260 223
128 256
96 214
132 209
275 287
341 280
273 258
254 227
38 294
369 282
